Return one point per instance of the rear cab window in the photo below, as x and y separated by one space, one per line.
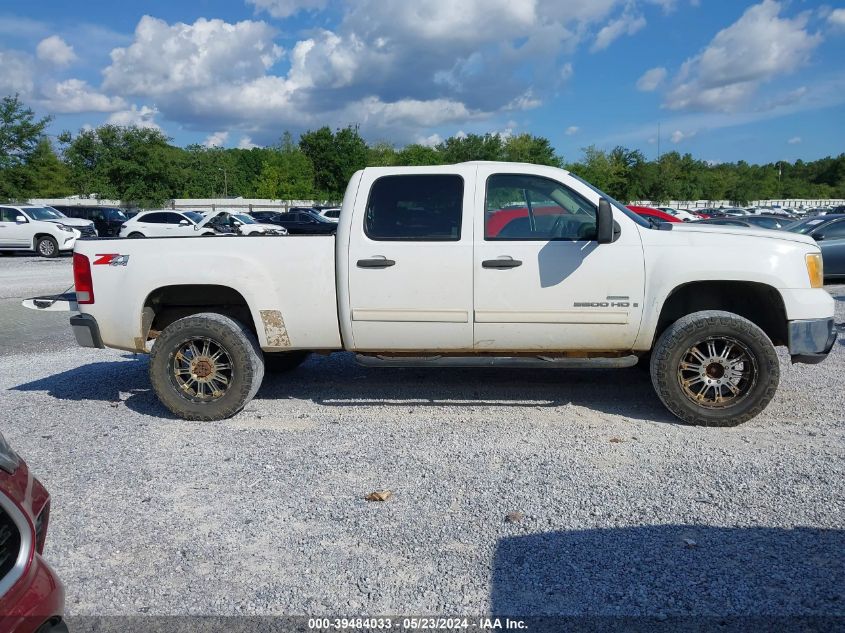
415 207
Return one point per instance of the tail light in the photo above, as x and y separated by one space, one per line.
82 279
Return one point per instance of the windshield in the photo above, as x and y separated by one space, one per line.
636 218
243 217
115 214
193 216
43 213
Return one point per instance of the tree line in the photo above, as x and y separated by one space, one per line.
140 166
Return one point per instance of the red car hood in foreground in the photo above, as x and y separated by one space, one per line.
31 595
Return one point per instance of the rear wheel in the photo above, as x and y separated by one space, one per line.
206 367
715 368
280 362
136 235
47 246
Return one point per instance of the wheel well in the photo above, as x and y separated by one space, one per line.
759 303
38 236
165 305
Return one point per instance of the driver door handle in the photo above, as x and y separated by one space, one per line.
376 262
502 262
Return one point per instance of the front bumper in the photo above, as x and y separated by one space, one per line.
810 340
86 331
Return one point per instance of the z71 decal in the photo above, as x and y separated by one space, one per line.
111 259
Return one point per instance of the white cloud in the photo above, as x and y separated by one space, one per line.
287 8
166 58
678 136
75 95
216 139
17 73
55 50
756 48
572 130
651 79
795 140
837 18
246 143
397 68
135 116
429 141
626 24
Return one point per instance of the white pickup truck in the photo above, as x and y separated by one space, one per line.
476 264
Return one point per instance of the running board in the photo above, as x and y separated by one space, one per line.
548 362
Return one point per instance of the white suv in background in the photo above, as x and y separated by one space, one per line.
40 229
165 223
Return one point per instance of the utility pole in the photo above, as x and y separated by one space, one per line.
225 182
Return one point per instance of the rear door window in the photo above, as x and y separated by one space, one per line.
155 218
425 208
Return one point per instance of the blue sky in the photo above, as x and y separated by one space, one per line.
726 80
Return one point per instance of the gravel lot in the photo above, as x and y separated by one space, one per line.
624 511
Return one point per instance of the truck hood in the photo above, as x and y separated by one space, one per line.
742 231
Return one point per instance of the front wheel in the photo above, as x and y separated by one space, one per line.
47 247
714 368
206 367
136 236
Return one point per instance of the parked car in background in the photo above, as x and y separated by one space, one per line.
767 221
653 215
330 213
829 232
681 214
32 598
725 221
249 226
224 222
165 223
301 222
107 220
39 229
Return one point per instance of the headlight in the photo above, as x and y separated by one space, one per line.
815 269
65 227
9 460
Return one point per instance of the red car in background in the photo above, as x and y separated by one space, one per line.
654 214
32 598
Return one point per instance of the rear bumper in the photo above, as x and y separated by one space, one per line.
86 331
810 340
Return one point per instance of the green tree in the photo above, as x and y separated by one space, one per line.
459 149
286 175
20 136
126 163
525 148
335 157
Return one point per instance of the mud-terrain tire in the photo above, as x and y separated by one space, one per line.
689 375
215 378
281 362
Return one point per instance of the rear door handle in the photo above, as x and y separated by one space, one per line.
376 262
501 263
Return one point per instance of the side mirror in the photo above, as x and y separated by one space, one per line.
604 223
20 219
183 223
819 237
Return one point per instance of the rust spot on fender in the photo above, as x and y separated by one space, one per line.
274 328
